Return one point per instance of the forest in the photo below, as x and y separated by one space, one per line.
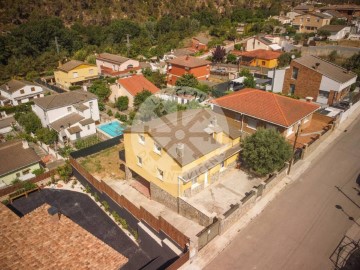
85 27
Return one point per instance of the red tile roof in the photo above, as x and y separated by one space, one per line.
269 107
137 83
189 61
260 54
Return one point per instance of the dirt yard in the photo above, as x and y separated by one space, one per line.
105 164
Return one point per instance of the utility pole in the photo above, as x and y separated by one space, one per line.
57 45
294 147
128 44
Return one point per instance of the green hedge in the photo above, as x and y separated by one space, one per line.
26 107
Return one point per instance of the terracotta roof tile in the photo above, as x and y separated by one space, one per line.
189 61
42 241
137 83
270 107
260 54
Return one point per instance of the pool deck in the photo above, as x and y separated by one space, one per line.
105 133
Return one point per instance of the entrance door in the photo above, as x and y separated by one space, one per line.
206 178
77 135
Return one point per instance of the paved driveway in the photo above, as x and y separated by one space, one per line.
230 189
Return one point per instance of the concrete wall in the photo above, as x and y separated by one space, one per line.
345 115
342 51
193 213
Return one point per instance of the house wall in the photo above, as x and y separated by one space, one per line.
120 90
84 73
172 170
30 92
253 44
6 179
197 45
339 35
50 116
278 80
116 67
265 63
84 133
201 73
310 26
304 87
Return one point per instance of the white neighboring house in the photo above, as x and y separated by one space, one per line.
181 95
262 42
71 114
277 76
115 65
293 14
337 31
6 124
15 92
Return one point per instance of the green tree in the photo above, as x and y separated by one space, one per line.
30 122
249 82
141 97
333 56
122 103
65 171
231 58
324 33
187 80
101 89
47 136
265 151
353 63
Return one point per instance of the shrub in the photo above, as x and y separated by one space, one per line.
65 171
89 141
74 87
15 181
38 171
134 233
122 103
87 189
106 205
96 197
123 223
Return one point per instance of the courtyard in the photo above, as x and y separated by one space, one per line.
216 199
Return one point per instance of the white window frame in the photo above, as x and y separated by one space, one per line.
157 148
69 109
91 71
75 75
141 139
254 121
160 174
139 161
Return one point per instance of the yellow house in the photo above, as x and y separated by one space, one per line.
258 58
183 152
75 73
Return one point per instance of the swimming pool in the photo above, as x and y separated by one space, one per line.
112 129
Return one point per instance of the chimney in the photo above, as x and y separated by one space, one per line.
309 99
213 121
25 144
180 149
317 65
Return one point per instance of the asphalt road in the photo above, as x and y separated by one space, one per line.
301 228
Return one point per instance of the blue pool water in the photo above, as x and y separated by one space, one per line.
113 129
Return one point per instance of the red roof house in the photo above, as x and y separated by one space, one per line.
130 86
179 66
256 108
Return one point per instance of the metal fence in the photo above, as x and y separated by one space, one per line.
52 87
96 147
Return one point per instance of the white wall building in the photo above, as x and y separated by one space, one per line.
278 80
71 114
337 31
114 65
15 92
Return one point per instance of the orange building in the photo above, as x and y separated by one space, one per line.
179 66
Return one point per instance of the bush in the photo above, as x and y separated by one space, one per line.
30 122
121 117
74 87
109 112
65 172
89 141
106 206
122 103
87 189
15 181
46 135
38 171
96 197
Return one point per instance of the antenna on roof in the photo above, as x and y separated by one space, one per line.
57 45
128 44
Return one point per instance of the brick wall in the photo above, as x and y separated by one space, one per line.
307 83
